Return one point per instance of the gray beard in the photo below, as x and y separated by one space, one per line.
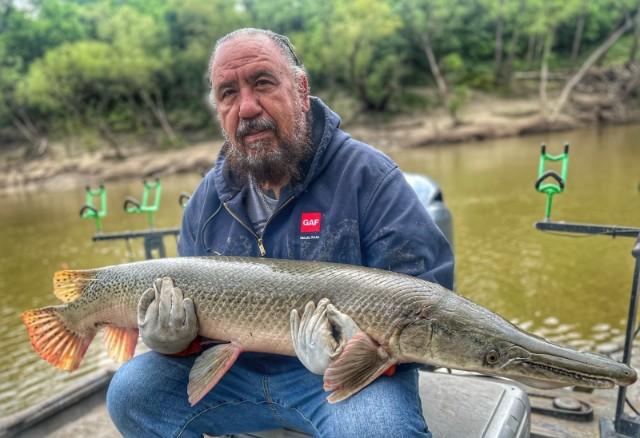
273 166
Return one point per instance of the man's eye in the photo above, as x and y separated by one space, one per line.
263 82
226 93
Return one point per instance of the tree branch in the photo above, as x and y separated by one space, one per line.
591 60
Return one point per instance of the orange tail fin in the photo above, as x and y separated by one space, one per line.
52 340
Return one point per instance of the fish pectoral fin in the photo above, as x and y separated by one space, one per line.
209 368
120 342
360 363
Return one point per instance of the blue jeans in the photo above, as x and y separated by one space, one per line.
148 397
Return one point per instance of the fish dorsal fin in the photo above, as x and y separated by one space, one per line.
359 364
209 368
53 341
69 285
120 342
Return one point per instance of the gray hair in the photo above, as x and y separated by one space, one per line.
282 42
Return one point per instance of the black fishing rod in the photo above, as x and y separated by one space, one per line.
551 183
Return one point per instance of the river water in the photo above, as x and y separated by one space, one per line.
574 290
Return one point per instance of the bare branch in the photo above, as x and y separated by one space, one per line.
593 58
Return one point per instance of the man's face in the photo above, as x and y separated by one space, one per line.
261 107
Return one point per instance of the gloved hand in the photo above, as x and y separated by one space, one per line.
167 321
312 335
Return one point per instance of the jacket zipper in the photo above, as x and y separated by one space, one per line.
261 248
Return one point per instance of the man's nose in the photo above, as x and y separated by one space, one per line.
249 105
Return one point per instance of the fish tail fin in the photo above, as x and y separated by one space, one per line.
120 342
53 340
69 285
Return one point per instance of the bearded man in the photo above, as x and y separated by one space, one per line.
288 184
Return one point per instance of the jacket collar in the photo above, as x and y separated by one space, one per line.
324 125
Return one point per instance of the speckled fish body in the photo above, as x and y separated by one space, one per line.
247 302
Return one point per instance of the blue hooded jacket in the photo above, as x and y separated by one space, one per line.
352 206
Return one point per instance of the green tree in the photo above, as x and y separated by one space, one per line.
86 82
194 26
25 38
437 27
544 18
340 48
141 45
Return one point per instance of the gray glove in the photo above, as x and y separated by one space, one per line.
167 321
313 339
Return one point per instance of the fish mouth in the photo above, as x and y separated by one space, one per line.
549 371
557 376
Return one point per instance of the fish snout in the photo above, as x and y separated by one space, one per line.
628 376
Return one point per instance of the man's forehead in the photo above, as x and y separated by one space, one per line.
245 49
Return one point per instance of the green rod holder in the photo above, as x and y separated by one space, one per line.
183 199
90 211
133 206
556 186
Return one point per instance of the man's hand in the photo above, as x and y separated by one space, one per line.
313 334
166 319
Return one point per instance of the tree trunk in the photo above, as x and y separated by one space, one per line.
498 48
443 90
106 133
530 49
8 9
157 109
506 70
591 60
544 71
636 36
361 89
37 144
541 41
577 40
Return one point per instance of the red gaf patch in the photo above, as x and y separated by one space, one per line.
310 222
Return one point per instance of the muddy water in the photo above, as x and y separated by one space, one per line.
574 290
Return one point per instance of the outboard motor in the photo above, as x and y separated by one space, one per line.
430 196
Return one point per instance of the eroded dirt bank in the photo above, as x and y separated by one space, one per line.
483 118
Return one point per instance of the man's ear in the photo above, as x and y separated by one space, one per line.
303 91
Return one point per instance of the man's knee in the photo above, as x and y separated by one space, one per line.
126 391
387 407
380 420
139 386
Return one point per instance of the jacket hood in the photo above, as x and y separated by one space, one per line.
324 124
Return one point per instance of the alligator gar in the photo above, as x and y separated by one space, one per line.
246 304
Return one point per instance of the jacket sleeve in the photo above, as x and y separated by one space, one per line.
399 235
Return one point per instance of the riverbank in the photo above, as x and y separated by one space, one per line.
484 117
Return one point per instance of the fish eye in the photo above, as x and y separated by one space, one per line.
492 357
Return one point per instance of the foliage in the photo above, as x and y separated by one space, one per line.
140 65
